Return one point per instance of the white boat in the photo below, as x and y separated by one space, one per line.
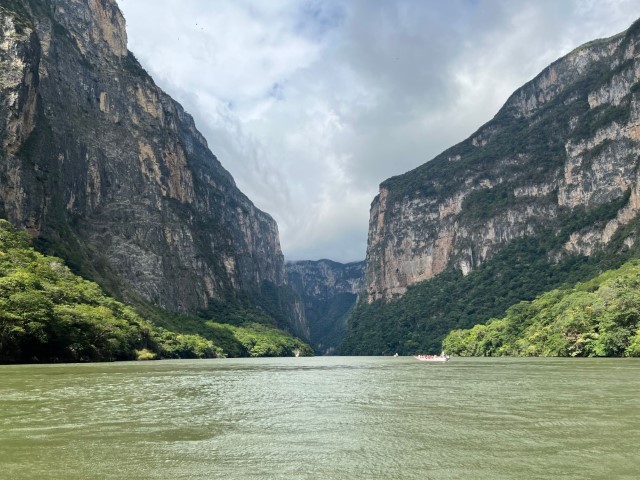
442 358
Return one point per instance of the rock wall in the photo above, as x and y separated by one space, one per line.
19 53
106 169
329 290
566 142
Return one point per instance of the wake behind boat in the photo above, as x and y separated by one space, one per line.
442 358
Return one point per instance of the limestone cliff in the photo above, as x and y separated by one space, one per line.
566 143
107 170
329 291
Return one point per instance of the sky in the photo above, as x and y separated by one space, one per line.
311 104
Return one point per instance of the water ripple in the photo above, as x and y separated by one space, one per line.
330 418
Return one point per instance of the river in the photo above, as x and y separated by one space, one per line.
322 418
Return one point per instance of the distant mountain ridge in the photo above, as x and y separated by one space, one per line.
329 291
546 192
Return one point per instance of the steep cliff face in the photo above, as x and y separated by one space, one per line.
19 79
329 291
565 144
107 170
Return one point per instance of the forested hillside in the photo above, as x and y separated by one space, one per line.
108 172
48 314
419 321
597 318
545 194
329 291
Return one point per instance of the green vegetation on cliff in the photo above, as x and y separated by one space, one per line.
183 239
263 341
510 135
48 314
328 320
597 318
237 331
419 321
329 292
555 161
18 12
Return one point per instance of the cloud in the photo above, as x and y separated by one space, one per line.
310 104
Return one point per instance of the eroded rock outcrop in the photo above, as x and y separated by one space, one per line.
329 291
564 144
110 172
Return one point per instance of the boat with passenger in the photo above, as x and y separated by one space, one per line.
442 358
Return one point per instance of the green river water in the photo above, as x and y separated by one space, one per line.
322 418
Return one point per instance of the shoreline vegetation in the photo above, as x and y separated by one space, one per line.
596 318
50 315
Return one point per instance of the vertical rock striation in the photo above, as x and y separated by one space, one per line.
566 143
106 169
329 291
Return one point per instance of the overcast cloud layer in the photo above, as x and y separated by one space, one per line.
311 104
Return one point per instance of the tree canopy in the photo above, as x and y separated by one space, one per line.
597 318
49 314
